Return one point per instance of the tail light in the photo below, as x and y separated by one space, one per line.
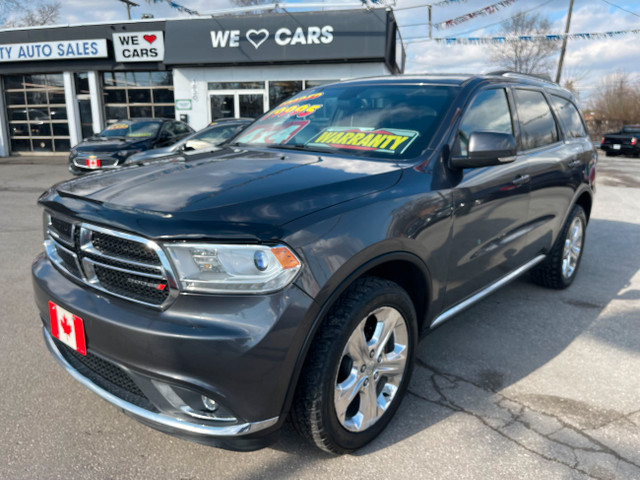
602 141
634 140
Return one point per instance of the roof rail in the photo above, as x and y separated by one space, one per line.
511 73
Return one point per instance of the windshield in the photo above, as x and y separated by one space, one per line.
383 121
130 129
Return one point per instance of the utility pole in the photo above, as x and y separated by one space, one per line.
564 43
129 4
430 25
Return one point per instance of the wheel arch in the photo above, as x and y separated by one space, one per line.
404 268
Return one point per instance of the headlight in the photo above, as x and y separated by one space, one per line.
73 153
210 268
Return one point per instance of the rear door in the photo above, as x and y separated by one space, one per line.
490 205
555 160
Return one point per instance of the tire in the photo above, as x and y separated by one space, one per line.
560 267
370 332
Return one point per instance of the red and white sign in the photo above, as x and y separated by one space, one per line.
67 327
93 162
139 46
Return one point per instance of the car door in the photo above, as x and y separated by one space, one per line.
490 205
554 165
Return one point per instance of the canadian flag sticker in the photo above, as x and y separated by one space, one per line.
67 327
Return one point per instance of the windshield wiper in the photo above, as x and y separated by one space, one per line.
298 146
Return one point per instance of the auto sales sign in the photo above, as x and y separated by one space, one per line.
67 49
139 46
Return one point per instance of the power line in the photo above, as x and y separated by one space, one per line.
620 8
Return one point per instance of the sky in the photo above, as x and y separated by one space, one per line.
587 62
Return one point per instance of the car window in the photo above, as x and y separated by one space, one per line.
180 128
128 128
383 121
537 125
569 117
216 135
488 112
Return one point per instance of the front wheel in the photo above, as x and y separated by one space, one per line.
358 368
560 267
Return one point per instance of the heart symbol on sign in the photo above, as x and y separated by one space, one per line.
261 37
150 38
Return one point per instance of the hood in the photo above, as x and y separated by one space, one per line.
148 154
105 144
231 192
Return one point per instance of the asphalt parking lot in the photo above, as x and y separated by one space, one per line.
529 383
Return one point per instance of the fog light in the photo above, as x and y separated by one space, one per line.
209 403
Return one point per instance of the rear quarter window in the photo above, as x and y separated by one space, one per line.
537 125
569 117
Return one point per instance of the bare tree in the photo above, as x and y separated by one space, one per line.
525 56
15 13
615 102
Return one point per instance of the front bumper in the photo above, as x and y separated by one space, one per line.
238 350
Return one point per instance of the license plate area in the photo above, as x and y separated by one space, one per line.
616 146
93 162
68 328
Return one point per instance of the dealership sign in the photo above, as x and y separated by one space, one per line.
139 46
283 36
67 50
300 37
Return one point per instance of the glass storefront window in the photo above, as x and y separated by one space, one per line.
280 91
317 83
235 85
138 94
37 112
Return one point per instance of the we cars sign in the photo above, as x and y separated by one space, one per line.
139 46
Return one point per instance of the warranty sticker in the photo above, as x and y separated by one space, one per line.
388 140
117 126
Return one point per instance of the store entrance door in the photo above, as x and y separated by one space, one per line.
237 103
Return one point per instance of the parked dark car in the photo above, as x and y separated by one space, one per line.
110 148
624 142
292 271
213 135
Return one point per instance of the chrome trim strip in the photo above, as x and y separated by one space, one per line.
123 270
90 249
447 314
156 418
50 246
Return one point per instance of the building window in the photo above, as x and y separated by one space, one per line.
37 113
280 91
138 94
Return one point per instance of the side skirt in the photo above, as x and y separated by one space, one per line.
447 314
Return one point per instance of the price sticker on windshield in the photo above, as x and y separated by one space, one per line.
387 140
117 126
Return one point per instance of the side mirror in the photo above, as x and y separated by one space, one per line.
188 146
487 149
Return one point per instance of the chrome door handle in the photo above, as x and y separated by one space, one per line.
521 179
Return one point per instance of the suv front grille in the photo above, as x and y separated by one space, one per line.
121 264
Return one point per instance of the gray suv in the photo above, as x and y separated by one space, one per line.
291 272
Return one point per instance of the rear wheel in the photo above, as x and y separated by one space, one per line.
358 367
561 265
